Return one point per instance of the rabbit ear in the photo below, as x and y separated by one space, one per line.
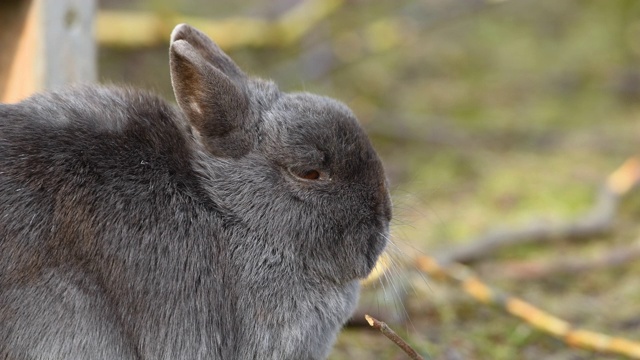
208 50
215 104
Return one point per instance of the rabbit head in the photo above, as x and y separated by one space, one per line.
295 169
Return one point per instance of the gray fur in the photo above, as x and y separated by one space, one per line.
132 229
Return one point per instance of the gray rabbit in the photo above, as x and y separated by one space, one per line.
234 226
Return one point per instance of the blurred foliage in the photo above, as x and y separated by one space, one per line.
487 114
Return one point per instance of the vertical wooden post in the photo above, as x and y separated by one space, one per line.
45 44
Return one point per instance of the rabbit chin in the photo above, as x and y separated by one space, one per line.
375 245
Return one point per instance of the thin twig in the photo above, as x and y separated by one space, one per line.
391 335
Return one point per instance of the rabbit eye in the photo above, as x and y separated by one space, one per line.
309 174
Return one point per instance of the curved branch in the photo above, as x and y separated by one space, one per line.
598 221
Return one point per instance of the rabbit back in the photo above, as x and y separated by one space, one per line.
91 179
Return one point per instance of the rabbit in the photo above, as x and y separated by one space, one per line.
235 225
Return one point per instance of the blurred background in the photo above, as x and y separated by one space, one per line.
488 114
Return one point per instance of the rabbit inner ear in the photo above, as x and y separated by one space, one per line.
212 102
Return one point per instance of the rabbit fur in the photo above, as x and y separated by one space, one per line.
235 225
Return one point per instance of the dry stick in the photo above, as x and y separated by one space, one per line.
391 335
537 318
529 270
598 221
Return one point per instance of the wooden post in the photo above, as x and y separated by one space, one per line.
45 44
